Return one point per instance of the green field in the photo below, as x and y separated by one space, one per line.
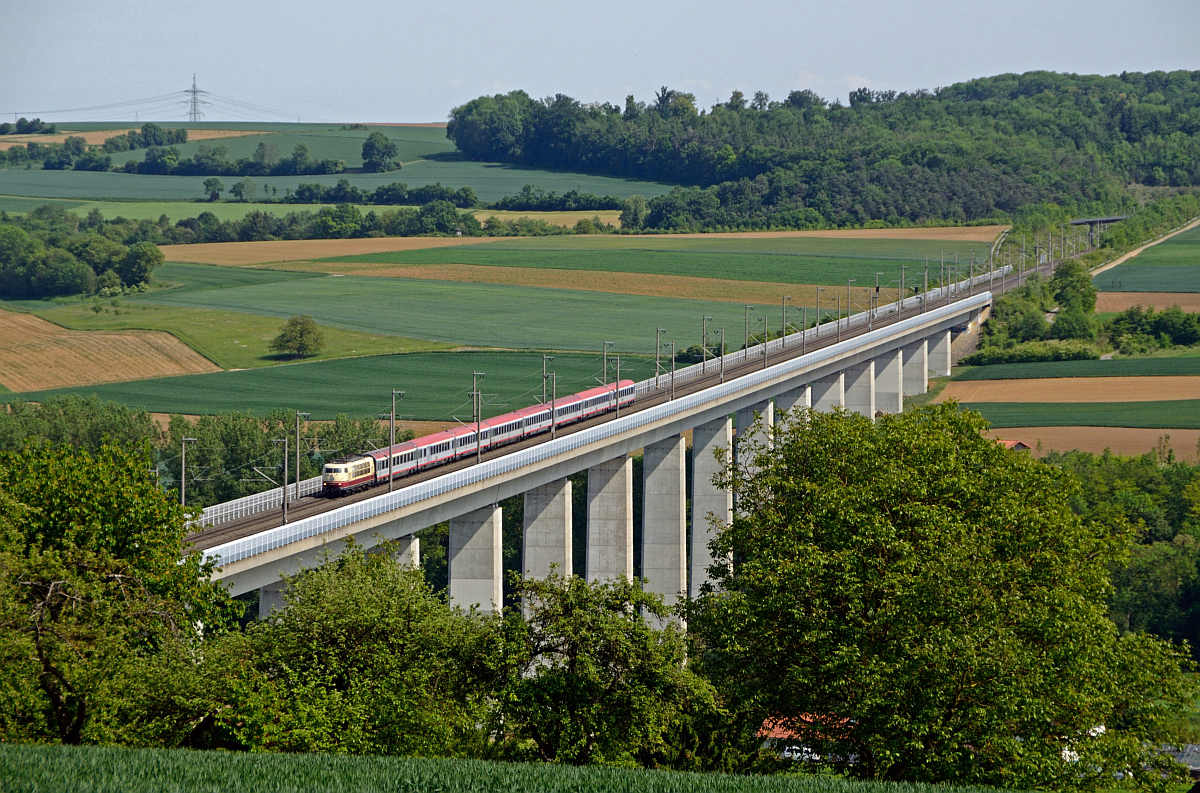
178 210
427 155
1182 249
437 385
20 205
1177 414
1121 367
1130 277
1170 266
231 339
803 260
480 315
66 769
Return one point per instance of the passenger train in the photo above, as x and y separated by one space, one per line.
360 471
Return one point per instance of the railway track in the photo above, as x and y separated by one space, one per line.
316 504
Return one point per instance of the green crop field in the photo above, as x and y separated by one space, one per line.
481 315
1170 266
1122 367
231 339
67 769
1130 277
1181 249
178 210
427 155
20 205
1177 414
437 385
802 260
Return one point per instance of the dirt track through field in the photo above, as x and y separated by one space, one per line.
1119 301
1074 389
648 284
96 137
1120 440
240 254
36 355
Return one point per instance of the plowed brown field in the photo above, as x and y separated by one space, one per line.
96 137
1119 301
241 254
649 284
1121 440
1074 389
36 354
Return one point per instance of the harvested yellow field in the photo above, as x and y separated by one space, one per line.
945 234
1119 301
649 284
1074 389
240 254
1126 441
36 355
96 137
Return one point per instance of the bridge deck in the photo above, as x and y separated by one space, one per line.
307 506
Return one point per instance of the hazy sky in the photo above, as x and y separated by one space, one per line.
386 61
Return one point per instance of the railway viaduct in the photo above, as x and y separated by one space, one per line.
867 364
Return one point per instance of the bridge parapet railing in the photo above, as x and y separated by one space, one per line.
253 504
931 299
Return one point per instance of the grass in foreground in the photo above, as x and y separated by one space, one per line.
437 385
1175 414
1120 367
38 769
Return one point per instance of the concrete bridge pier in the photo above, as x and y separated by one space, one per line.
860 394
829 392
764 414
790 400
889 382
610 520
939 353
408 551
270 598
664 518
707 498
547 540
916 368
475 569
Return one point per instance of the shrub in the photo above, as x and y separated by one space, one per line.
1033 352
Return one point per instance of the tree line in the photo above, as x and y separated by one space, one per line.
24 126
162 158
50 252
967 152
987 597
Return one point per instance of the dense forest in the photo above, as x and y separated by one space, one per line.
972 151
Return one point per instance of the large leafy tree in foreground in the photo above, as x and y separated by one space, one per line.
597 679
94 579
913 602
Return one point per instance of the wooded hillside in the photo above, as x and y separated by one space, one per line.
975 150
